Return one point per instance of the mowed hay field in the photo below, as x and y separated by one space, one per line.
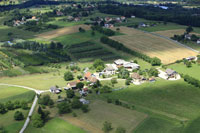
171 33
63 31
101 111
152 45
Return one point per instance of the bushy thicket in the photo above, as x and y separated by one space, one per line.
107 32
191 80
119 46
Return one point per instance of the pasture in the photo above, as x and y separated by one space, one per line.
152 45
173 99
62 31
15 93
101 111
192 71
8 122
55 125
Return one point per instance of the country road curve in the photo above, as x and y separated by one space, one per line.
33 105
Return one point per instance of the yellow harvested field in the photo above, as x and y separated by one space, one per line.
62 31
171 33
152 45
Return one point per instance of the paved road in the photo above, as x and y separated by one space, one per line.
33 105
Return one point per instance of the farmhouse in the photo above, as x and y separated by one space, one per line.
136 77
55 90
110 69
188 36
190 58
59 13
84 101
119 62
131 66
198 41
73 84
87 75
92 79
171 73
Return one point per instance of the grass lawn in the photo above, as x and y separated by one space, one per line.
158 125
167 97
8 122
193 127
193 45
77 37
192 71
101 111
15 93
55 125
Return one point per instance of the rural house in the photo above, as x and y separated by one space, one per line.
110 69
171 73
188 36
87 75
191 58
119 62
92 79
198 41
55 90
131 66
73 84
136 77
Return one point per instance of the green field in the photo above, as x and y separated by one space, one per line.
101 111
8 122
170 98
17 33
15 93
55 125
65 24
192 71
77 38
158 125
12 94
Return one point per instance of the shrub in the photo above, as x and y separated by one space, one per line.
107 127
85 108
18 116
76 104
46 100
117 102
109 100
63 108
37 121
120 130
68 76
3 109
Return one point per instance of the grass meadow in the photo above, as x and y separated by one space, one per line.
55 125
192 71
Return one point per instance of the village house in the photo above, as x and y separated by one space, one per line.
198 41
84 92
131 66
84 101
92 79
73 84
136 77
171 73
119 62
110 69
152 79
55 90
77 19
87 75
108 25
191 58
59 13
132 16
188 36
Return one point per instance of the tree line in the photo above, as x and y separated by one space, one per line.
119 46
175 13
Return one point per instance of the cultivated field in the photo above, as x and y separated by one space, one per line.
62 31
101 112
171 33
152 45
